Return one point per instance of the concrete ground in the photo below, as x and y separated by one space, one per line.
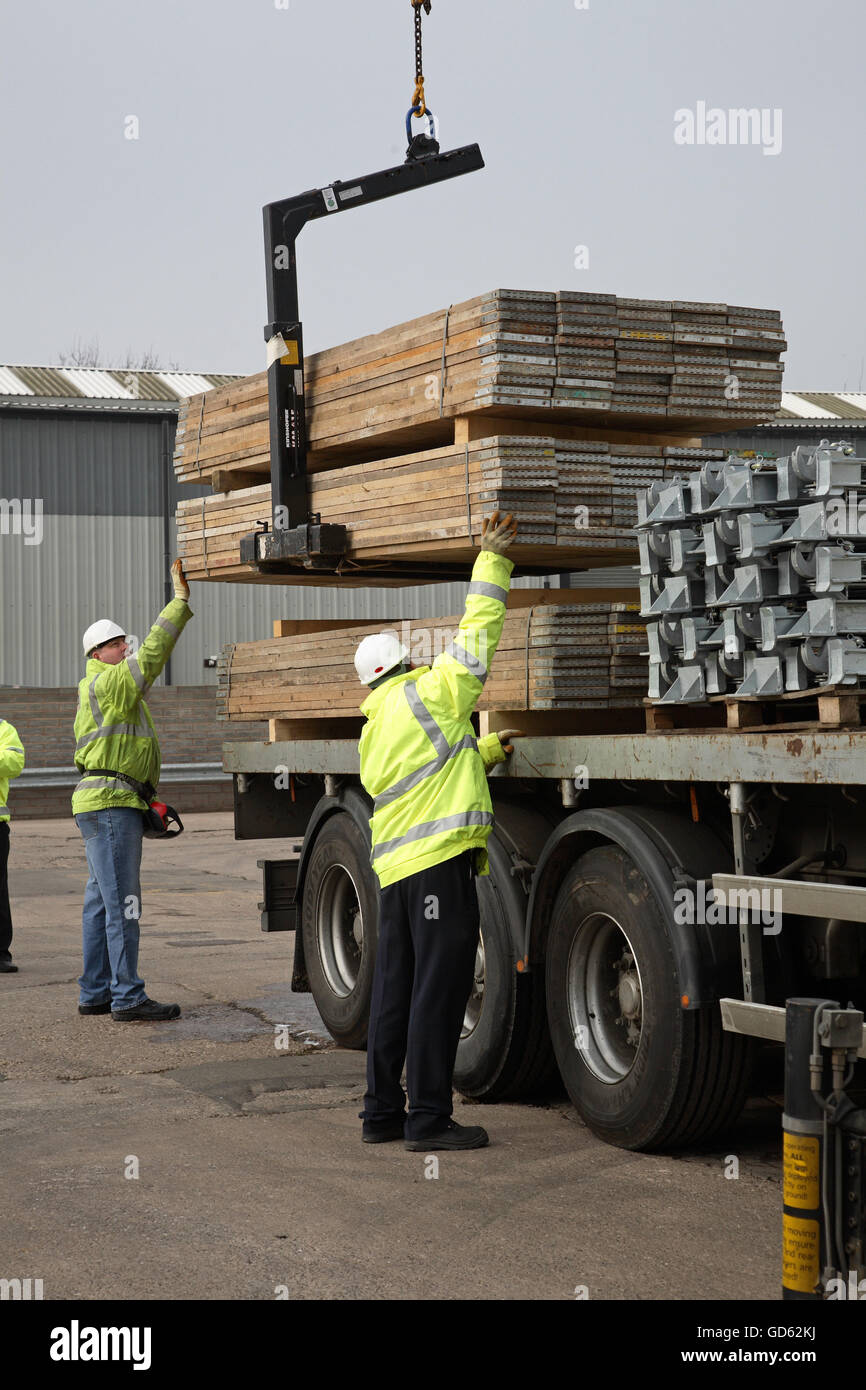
252 1182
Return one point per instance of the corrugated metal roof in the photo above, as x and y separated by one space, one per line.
185 383
823 405
104 384
47 381
837 405
146 385
94 383
11 384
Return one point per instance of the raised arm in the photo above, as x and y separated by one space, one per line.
457 676
123 685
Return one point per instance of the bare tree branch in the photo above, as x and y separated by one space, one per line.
87 354
80 354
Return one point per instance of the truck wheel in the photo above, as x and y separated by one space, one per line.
339 920
504 1050
643 1072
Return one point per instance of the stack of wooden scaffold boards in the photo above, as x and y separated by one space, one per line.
557 407
550 657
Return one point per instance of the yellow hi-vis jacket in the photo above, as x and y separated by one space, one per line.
420 760
113 727
11 763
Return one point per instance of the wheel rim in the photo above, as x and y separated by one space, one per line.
605 997
339 930
476 998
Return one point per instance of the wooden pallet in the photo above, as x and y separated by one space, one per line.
530 723
836 707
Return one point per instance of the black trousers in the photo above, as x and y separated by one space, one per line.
5 913
425 961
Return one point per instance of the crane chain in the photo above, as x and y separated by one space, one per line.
418 95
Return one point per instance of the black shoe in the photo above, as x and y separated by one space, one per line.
94 1008
7 968
382 1134
147 1011
452 1136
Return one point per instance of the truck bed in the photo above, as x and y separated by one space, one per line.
805 756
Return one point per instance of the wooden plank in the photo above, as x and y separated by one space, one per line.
295 627
839 709
295 730
742 715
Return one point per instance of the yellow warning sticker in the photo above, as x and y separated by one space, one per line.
290 358
642 333
800 1172
799 1254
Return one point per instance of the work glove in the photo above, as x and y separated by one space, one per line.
506 735
178 579
496 534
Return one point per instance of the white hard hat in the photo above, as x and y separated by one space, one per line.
377 655
99 632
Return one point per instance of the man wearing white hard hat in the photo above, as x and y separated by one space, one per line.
117 751
432 816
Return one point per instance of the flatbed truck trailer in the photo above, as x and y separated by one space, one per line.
653 901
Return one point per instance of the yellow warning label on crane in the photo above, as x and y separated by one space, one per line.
800 1254
290 357
800 1171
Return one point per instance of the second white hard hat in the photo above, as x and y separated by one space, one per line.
377 655
99 632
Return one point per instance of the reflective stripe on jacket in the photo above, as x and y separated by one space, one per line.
113 727
420 760
11 763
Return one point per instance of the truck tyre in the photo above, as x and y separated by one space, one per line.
642 1071
339 921
505 1049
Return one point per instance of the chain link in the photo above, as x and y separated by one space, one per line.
419 53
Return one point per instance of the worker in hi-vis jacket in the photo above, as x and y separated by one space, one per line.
11 764
117 750
432 816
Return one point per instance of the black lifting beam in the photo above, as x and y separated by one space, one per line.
296 537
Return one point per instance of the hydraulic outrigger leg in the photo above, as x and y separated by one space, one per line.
296 537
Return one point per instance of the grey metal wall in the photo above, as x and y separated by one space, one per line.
777 442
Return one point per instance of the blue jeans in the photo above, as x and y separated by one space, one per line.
112 907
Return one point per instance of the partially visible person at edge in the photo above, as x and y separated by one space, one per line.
117 750
432 817
11 765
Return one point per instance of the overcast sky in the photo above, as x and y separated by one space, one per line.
156 242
